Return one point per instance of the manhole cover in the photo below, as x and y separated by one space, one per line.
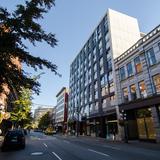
36 153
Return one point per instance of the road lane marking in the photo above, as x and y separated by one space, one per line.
103 154
116 148
45 145
66 141
36 153
56 155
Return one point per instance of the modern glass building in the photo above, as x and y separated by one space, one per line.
92 97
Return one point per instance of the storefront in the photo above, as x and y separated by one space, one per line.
111 125
145 124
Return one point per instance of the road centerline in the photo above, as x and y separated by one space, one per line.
56 155
100 153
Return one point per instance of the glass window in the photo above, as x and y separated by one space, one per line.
151 56
94 38
101 61
107 45
122 73
125 94
156 80
108 53
91 107
111 87
138 65
100 44
129 69
142 89
107 37
105 24
95 67
99 34
100 51
133 92
109 62
104 91
96 94
102 81
112 97
110 76
95 85
95 75
104 103
96 106
101 70
94 51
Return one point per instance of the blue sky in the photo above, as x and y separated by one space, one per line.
73 21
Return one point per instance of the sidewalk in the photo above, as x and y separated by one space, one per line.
133 143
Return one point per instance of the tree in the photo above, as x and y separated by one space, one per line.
45 121
15 28
21 114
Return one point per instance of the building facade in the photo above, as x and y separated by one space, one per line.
61 110
138 87
92 98
41 111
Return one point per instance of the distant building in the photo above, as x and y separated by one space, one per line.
40 111
61 110
92 74
138 87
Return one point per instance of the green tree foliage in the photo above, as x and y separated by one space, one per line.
15 28
21 114
45 121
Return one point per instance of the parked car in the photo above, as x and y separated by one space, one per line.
12 139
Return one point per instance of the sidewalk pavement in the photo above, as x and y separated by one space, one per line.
133 143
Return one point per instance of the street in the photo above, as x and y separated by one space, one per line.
59 147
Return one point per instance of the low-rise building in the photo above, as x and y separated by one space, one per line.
138 87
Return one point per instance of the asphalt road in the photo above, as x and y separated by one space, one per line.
42 147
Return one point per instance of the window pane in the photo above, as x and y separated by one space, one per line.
104 91
156 80
138 65
110 76
125 94
129 69
142 89
111 87
122 73
109 63
151 57
133 92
